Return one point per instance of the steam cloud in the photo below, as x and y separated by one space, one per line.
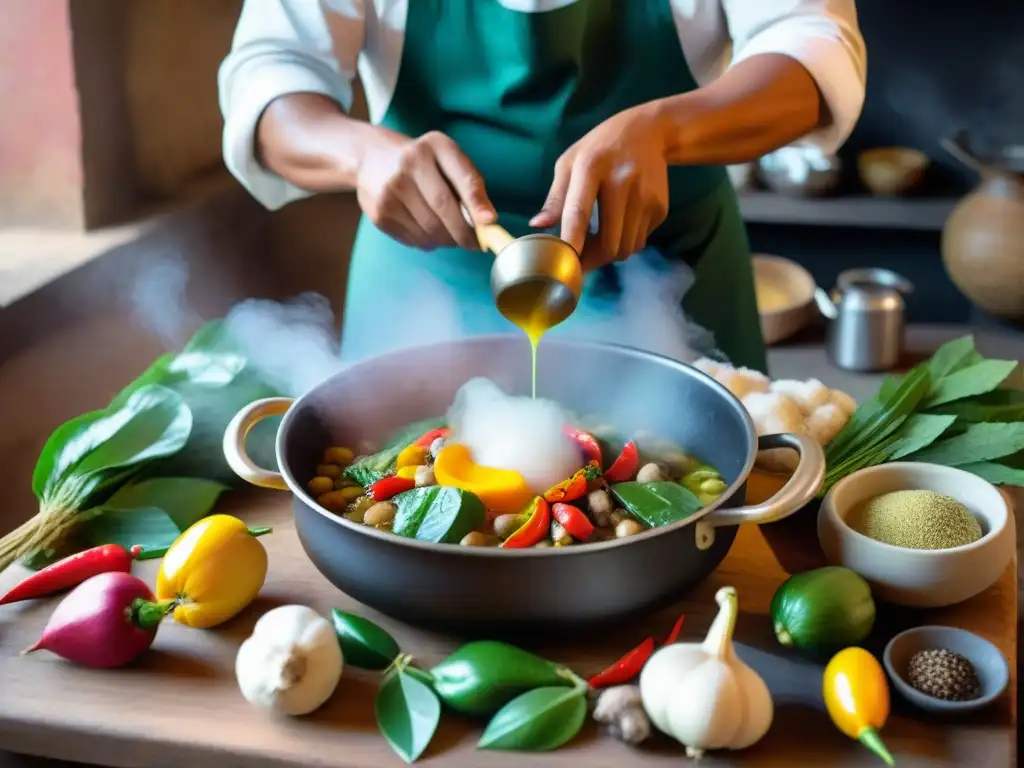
294 345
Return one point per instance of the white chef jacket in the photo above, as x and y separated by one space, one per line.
319 46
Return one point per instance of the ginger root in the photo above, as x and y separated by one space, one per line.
622 711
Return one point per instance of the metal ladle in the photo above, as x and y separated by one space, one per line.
537 275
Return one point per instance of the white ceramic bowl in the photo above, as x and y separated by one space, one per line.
785 277
922 578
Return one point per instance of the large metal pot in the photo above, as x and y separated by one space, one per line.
489 589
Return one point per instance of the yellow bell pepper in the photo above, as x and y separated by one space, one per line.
412 456
501 490
213 571
857 698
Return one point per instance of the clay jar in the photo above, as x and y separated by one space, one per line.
983 238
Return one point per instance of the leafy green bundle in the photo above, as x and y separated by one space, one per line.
953 409
148 465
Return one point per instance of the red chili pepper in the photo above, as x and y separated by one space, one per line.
676 629
389 487
573 520
625 466
587 443
536 527
425 440
626 668
72 571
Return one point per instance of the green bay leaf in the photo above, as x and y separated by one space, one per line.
980 442
407 713
437 514
996 473
974 380
997 405
538 720
657 504
949 357
918 432
363 644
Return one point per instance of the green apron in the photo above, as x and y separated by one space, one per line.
514 90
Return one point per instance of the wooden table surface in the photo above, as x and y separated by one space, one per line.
179 704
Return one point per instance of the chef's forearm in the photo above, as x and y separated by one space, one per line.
308 139
755 107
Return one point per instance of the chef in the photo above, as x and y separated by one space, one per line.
609 122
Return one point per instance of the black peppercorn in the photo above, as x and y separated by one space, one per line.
944 675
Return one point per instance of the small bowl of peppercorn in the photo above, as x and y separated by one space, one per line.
946 670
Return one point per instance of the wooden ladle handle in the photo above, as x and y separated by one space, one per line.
492 237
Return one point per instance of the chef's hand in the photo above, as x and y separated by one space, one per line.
412 190
621 165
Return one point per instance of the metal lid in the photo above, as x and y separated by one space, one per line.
870 289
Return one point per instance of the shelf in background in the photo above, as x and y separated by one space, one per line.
923 213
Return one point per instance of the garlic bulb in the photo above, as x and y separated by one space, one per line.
702 695
292 661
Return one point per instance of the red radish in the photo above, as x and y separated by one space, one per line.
105 621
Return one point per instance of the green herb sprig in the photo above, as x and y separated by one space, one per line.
533 704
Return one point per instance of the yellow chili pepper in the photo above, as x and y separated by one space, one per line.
407 472
412 456
213 570
857 698
501 490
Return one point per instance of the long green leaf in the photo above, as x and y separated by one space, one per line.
152 422
156 373
967 382
850 433
981 442
184 499
878 418
209 369
949 357
918 432
998 405
995 473
872 457
149 527
46 471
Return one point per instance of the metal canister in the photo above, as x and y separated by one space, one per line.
867 325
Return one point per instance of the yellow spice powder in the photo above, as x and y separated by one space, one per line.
916 520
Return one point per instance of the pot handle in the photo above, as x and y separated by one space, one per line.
796 493
234 442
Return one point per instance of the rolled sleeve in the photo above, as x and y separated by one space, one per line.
281 47
823 35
